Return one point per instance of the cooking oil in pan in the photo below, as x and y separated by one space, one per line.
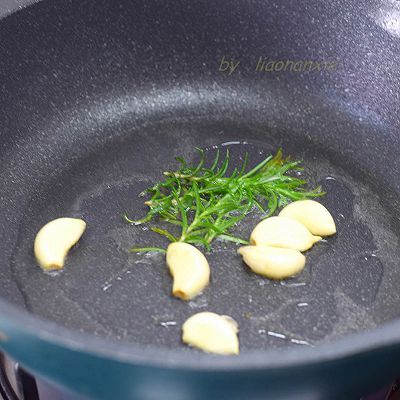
341 290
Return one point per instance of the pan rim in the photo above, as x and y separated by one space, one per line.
39 328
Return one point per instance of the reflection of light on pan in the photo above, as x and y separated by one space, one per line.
358 110
391 22
388 17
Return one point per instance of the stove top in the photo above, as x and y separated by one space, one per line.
17 384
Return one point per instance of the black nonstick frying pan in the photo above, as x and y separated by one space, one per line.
96 100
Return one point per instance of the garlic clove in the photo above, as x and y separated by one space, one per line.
189 269
313 215
273 262
54 240
212 333
283 232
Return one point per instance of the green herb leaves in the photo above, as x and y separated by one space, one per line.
207 202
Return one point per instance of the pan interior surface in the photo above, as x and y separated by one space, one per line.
106 291
97 98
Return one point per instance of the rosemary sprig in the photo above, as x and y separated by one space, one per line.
206 202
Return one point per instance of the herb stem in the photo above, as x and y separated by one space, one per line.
146 250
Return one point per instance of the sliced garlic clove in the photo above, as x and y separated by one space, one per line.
273 262
313 215
283 232
212 333
54 240
189 268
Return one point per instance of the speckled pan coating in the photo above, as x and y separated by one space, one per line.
96 99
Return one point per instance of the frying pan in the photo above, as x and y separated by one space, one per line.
98 97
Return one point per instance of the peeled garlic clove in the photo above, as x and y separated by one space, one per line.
283 232
212 333
313 215
54 240
189 268
273 262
